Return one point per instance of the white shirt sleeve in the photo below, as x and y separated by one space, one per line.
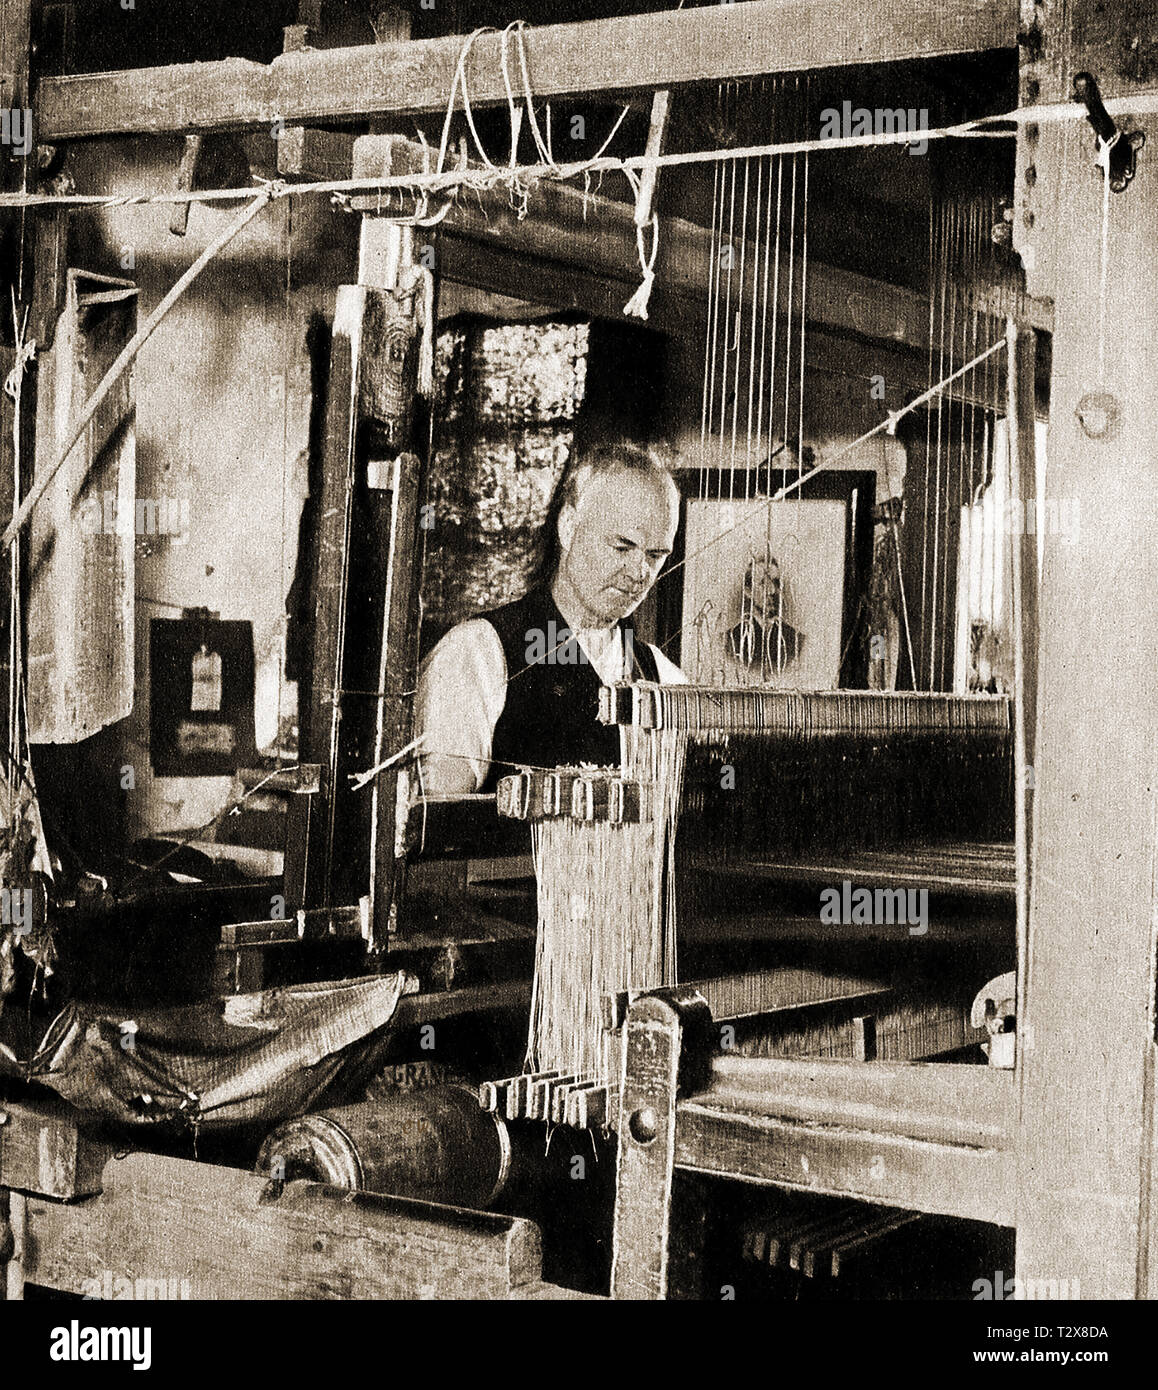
669 672
462 688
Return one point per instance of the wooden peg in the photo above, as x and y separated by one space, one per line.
190 157
649 176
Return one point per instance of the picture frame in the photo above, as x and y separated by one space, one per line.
823 578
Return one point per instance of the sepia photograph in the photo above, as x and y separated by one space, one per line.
562 739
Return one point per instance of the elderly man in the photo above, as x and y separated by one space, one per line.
521 685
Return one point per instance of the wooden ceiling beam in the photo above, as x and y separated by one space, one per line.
634 52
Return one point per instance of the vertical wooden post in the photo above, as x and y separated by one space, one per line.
388 258
641 1233
13 1243
1020 364
323 705
1086 1053
15 169
15 44
366 575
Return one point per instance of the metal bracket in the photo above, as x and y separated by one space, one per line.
1121 146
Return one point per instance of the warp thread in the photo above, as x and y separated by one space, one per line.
606 914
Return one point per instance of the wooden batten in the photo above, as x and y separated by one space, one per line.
645 52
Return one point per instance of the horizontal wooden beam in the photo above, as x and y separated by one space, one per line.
893 1170
570 236
634 52
934 1137
755 992
935 1100
195 1230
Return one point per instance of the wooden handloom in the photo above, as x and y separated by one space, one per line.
944 761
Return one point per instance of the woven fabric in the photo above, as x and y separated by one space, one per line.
255 1058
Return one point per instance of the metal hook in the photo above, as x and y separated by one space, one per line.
1120 147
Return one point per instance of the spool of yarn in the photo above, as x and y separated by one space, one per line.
434 1144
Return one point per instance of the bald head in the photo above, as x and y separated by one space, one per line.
616 528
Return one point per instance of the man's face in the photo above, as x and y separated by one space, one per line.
762 584
614 543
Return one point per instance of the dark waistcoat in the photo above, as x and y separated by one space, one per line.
551 715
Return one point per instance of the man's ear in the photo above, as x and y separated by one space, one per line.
566 526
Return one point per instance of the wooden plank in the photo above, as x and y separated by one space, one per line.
43 1150
308 152
13 1243
779 990
908 1028
321 712
627 53
186 179
892 1169
752 993
1086 1047
641 1231
1020 357
364 592
162 1219
50 290
470 999
935 1101
975 870
15 42
398 674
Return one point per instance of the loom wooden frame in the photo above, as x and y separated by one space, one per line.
638 53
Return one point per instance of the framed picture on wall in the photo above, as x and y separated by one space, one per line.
769 594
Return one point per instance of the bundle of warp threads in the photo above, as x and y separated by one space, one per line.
606 913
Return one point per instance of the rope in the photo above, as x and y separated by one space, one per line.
1104 148
636 306
445 180
359 779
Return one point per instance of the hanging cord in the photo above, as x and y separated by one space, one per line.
542 145
636 306
1104 148
514 175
